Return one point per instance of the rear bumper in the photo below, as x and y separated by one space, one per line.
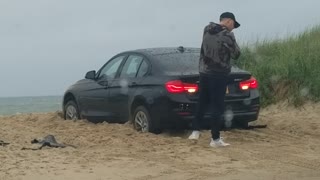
181 113
246 116
185 120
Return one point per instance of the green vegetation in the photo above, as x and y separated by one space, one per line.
287 69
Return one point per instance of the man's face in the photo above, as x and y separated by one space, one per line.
229 24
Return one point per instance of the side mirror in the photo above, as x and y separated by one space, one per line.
91 75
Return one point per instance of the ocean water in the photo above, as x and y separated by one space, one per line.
21 105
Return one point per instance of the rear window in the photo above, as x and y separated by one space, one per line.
179 63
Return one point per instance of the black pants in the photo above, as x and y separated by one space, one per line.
212 92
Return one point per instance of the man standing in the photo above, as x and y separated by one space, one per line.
218 47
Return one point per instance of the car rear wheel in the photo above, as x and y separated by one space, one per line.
142 121
71 111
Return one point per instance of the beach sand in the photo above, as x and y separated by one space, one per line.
289 148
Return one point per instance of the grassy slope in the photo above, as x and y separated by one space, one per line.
286 69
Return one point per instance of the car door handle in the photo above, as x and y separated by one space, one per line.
104 83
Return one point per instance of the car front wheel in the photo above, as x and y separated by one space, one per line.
71 111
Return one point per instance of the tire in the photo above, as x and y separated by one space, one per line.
71 111
142 121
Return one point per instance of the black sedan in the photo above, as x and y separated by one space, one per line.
156 89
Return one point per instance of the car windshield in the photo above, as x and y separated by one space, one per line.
179 63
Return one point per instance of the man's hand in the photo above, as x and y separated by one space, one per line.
231 45
227 46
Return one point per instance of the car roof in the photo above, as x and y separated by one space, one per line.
166 50
153 53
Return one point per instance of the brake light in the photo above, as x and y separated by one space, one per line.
178 86
252 83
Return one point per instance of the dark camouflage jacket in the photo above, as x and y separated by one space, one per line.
218 47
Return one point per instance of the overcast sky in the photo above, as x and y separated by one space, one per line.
46 45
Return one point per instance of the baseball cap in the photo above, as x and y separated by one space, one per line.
231 16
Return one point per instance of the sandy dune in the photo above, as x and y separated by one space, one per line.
288 149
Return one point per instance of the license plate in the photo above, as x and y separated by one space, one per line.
227 90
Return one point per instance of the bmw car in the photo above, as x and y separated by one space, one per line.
156 89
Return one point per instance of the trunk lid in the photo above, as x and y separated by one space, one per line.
233 90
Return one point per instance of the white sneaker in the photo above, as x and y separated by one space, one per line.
194 135
218 143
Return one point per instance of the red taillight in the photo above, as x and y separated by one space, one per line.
252 83
178 86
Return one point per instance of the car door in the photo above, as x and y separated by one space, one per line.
122 87
95 98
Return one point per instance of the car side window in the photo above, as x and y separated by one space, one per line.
143 69
131 66
110 70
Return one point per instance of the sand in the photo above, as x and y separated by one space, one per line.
289 148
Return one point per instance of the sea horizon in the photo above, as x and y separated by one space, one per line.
30 104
